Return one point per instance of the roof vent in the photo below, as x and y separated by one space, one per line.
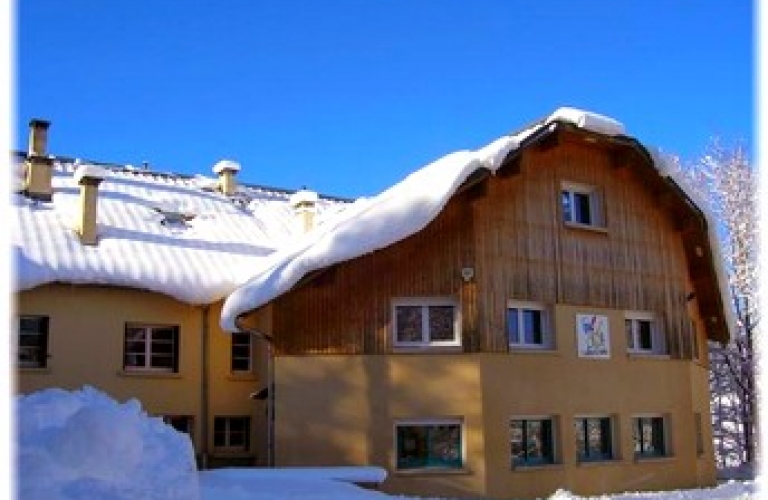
304 204
173 214
226 170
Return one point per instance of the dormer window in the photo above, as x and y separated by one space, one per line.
582 205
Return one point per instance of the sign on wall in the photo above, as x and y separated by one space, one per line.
593 336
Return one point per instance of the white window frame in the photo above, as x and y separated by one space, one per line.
593 194
149 329
547 336
425 303
430 422
658 342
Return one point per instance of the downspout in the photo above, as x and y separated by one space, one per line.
204 327
270 388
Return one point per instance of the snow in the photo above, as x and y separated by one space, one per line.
84 445
226 166
198 258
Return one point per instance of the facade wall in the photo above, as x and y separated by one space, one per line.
342 410
86 346
343 384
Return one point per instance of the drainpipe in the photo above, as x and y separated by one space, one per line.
204 387
270 389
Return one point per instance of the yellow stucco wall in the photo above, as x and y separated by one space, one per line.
86 336
341 410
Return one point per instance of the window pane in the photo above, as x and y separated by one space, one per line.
513 327
645 338
408 323
163 334
567 206
582 210
532 326
441 323
411 447
518 442
630 333
445 445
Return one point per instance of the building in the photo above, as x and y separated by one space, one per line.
503 323
120 274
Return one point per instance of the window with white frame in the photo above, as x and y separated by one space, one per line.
528 326
649 434
532 441
643 334
429 444
425 322
581 204
594 438
241 360
151 348
232 434
33 342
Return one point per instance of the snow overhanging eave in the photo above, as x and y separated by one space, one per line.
201 297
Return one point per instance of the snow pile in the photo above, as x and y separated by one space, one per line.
84 445
733 490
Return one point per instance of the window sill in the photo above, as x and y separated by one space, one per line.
537 467
648 355
586 227
432 471
534 350
148 374
427 349
242 377
34 370
651 460
600 463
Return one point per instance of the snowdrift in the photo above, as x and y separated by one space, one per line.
83 445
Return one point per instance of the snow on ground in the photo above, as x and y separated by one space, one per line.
83 445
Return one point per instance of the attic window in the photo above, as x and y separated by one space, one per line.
582 205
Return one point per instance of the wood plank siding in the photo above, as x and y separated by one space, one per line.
509 228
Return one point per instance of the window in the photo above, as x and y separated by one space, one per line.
594 441
151 348
33 342
182 423
532 442
232 434
581 205
242 353
643 336
432 444
528 326
426 322
649 436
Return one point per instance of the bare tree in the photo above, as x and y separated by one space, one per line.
725 181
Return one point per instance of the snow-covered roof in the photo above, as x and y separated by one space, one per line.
167 233
393 215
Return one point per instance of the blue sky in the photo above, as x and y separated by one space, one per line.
346 97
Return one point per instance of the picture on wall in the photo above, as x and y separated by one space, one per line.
593 336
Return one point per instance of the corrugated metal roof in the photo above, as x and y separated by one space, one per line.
197 259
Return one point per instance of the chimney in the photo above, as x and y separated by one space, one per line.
226 170
88 178
37 184
304 204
